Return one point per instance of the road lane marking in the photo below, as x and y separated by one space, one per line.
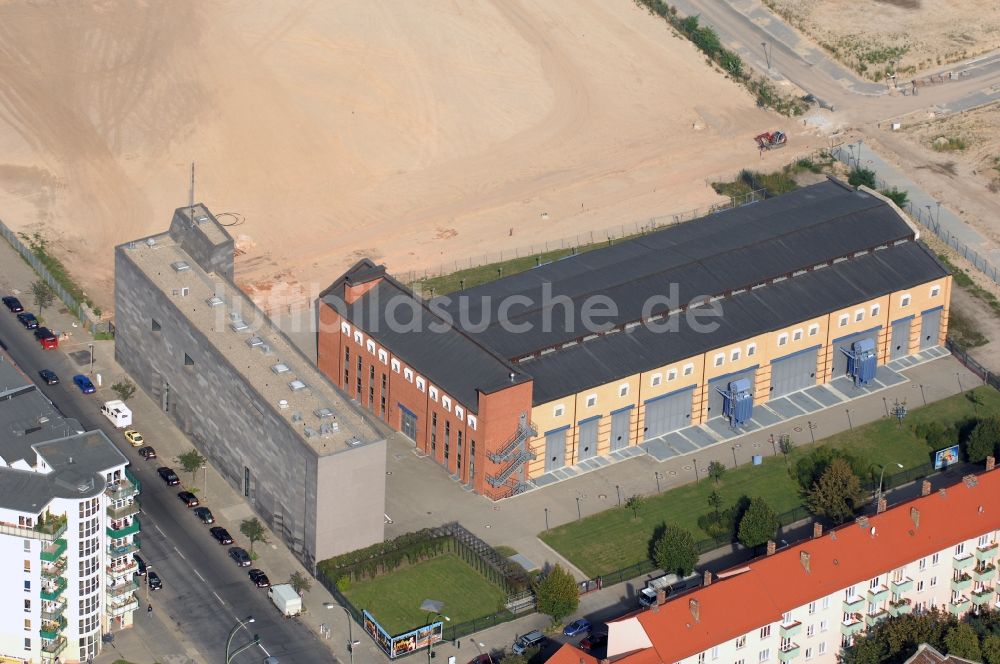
179 553
158 530
199 575
218 598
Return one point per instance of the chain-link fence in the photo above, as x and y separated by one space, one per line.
39 267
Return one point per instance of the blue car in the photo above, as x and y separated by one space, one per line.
84 384
577 627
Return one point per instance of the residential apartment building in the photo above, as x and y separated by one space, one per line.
806 602
68 528
510 382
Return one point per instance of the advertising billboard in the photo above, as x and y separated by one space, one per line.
946 457
394 646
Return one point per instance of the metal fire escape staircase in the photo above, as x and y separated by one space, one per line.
515 451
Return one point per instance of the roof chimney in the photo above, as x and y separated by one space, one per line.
991 463
943 492
915 517
771 547
708 578
862 521
817 530
882 504
695 609
925 488
804 559
970 480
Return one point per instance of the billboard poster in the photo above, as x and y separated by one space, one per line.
395 646
946 457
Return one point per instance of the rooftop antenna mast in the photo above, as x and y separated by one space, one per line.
191 195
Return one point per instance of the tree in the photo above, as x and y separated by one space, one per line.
124 389
191 462
254 531
299 582
991 649
837 493
523 658
983 440
715 502
43 294
786 446
674 551
716 470
633 503
556 594
758 524
963 642
809 468
861 176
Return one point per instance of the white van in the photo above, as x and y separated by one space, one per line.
118 413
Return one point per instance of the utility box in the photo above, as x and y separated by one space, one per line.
737 402
118 413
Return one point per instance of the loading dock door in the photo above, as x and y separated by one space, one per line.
899 345
668 413
930 328
845 344
555 449
793 372
621 428
722 383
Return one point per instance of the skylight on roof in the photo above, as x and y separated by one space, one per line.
238 325
323 412
296 385
214 301
180 266
279 368
255 341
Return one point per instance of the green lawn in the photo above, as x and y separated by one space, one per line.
395 598
613 540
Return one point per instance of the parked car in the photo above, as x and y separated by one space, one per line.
189 498
13 304
594 641
240 555
485 658
134 438
221 535
259 578
168 475
49 376
153 579
147 452
28 320
47 338
141 564
577 627
204 514
526 641
84 384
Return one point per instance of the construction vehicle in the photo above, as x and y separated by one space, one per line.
771 140
669 583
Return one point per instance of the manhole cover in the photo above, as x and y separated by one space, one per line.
756 445
799 429
388 472
687 469
602 496
672 472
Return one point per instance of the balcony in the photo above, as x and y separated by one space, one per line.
53 610
54 551
45 533
876 618
964 561
54 570
52 649
985 573
123 549
959 606
51 628
123 531
123 511
52 591
878 594
962 583
114 610
852 626
789 652
982 597
125 569
904 585
987 552
853 604
125 488
123 589
900 607
788 630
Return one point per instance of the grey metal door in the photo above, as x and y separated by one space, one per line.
793 373
722 383
621 429
930 328
587 439
408 423
555 449
899 345
839 358
668 413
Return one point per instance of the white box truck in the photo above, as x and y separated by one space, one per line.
286 599
118 413
669 583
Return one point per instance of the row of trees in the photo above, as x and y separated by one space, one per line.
976 637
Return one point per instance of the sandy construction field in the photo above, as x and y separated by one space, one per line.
412 132
918 34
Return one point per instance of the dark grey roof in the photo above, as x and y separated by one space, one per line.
726 251
406 326
776 306
27 416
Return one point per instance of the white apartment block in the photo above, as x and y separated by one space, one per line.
68 528
805 603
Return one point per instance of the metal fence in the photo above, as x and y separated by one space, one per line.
39 267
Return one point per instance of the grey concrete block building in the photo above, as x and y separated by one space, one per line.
306 460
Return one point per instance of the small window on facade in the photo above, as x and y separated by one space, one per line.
434 394
719 359
459 412
782 339
591 401
188 362
904 301
408 375
734 355
155 325
688 369
859 315
751 350
843 320
935 291
446 403
383 356
358 338
370 345
395 365
875 310
558 411
345 328
421 384
623 390
656 379
813 330
672 374
472 425
797 335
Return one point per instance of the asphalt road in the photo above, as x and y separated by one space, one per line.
204 592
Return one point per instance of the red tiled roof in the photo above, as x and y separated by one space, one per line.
570 654
849 555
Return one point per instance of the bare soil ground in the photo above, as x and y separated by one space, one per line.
920 34
411 132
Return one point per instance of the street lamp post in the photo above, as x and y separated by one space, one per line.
578 514
619 490
849 423
430 645
241 624
91 359
696 478
767 56
878 494
546 518
735 463
350 635
656 474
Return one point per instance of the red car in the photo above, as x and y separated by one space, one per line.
46 338
482 659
